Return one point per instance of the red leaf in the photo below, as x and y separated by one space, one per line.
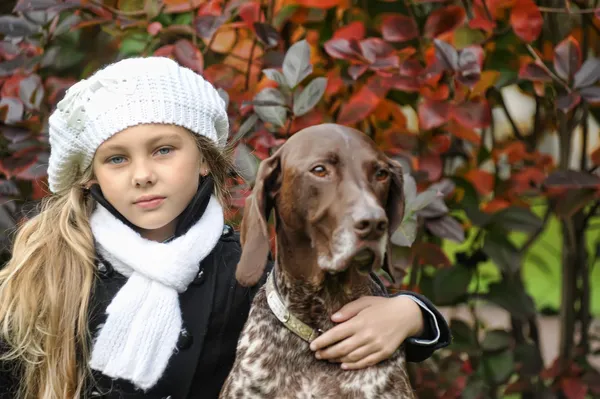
188 55
534 72
355 71
411 68
432 164
361 104
444 20
431 254
399 28
463 132
334 82
433 113
573 388
567 58
324 4
568 101
374 48
11 110
154 28
344 49
473 114
446 57
250 13
408 84
595 156
526 20
470 61
482 181
17 163
439 144
480 18
165 51
591 94
354 30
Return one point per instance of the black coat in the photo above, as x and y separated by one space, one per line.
214 310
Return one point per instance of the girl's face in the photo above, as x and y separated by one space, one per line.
150 173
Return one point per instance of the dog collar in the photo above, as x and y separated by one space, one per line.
279 309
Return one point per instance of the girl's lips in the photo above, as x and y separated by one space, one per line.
150 204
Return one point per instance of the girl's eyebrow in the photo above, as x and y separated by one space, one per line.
151 142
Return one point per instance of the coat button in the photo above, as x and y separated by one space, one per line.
185 339
227 230
200 277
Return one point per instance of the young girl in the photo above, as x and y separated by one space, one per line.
124 284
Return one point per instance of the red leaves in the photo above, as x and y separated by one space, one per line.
465 64
189 55
526 20
399 28
324 4
471 114
534 72
359 107
573 388
371 53
481 180
444 20
433 114
567 58
354 30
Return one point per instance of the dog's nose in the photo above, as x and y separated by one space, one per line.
371 226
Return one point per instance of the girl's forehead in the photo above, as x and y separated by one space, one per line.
146 135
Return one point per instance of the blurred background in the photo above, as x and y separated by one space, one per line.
491 106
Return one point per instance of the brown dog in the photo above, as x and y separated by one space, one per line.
337 198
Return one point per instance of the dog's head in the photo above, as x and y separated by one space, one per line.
330 186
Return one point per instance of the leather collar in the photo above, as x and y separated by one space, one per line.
282 313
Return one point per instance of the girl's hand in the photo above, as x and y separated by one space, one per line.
370 330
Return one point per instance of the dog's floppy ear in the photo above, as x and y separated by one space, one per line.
254 235
394 207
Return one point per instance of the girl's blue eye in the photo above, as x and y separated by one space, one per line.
164 151
116 160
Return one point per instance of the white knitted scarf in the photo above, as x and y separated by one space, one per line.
144 319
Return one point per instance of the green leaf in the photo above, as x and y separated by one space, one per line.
296 64
517 218
450 284
406 233
463 339
530 358
513 298
499 366
276 76
11 26
185 18
245 162
246 127
410 188
275 114
502 252
422 200
284 14
496 340
310 96
475 388
134 44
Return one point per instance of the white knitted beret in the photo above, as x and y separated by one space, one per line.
129 92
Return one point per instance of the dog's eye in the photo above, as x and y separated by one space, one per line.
382 174
319 170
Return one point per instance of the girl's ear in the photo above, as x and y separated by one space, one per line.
90 184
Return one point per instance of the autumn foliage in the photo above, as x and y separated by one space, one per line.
426 80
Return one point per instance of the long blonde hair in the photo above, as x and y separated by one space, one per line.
45 288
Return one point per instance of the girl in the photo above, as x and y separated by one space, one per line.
124 284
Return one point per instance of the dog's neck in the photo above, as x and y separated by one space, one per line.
310 294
